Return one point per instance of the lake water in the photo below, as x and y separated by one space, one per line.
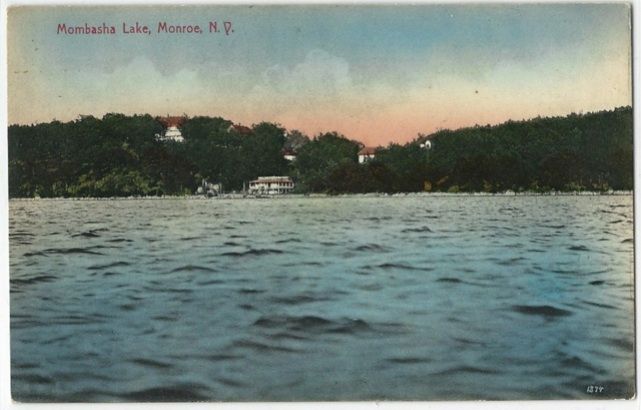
347 298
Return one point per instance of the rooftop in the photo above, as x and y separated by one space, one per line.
172 121
367 151
241 129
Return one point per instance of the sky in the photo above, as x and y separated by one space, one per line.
377 74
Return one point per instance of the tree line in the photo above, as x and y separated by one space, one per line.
119 155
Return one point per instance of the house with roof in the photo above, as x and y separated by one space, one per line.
273 185
172 125
366 154
240 129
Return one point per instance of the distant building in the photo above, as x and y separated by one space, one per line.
289 154
209 189
240 129
426 141
172 128
271 185
366 154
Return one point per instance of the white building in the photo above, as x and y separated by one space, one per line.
289 154
172 134
172 128
366 154
271 185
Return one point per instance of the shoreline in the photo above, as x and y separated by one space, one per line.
323 195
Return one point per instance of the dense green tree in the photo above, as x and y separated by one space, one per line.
320 157
578 152
262 151
119 155
407 164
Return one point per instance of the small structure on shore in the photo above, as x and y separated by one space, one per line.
172 128
274 185
366 154
209 189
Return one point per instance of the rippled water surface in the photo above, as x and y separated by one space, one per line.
357 298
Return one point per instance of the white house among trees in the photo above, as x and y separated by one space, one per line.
366 154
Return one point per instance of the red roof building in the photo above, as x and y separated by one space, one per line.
172 128
169 121
240 129
366 154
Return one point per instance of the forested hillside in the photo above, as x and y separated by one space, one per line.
118 155
577 152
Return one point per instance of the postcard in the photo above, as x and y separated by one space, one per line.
295 203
